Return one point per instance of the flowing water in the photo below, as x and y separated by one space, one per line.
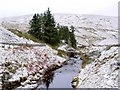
62 77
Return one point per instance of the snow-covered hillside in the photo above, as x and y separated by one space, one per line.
7 36
24 65
103 72
91 31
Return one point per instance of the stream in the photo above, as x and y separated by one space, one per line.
62 77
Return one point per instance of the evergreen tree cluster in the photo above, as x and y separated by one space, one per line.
67 35
43 27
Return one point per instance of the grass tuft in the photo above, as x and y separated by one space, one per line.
25 35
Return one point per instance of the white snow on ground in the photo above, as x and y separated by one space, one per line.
108 41
7 36
19 22
89 29
24 62
102 73
63 47
19 73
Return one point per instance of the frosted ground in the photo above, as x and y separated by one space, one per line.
91 31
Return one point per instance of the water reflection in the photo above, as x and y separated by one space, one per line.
48 78
62 77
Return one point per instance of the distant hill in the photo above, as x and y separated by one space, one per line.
89 28
90 31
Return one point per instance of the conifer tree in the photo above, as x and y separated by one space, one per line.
35 27
50 31
64 33
72 37
43 27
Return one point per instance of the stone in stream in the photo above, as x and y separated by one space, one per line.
75 82
60 72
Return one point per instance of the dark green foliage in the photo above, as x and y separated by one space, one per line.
64 33
50 32
43 27
67 35
34 25
72 37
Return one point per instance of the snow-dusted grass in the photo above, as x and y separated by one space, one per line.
89 29
25 35
101 73
23 62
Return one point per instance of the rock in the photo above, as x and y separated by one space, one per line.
30 86
75 82
33 82
25 83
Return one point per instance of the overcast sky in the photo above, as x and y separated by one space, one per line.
23 7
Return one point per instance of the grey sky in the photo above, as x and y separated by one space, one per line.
23 7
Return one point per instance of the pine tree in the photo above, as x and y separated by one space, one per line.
50 32
64 33
72 37
44 28
35 27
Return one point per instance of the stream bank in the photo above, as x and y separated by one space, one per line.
62 77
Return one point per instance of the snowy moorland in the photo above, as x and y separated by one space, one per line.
24 64
97 33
